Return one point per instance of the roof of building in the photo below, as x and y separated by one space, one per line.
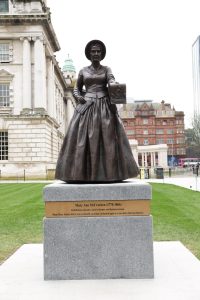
156 108
138 105
24 17
68 65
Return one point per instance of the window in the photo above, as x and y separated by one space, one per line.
170 141
6 91
171 152
159 141
3 145
145 131
145 121
180 141
181 151
179 121
144 113
170 131
4 7
4 52
180 130
159 131
130 114
129 132
146 142
164 122
4 94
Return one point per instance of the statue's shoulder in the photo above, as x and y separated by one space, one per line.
107 69
85 70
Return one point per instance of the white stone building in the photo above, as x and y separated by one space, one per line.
157 155
35 100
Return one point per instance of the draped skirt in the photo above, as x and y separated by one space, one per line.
96 148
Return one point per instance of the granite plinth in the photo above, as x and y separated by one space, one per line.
98 248
102 191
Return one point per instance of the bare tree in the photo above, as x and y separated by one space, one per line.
193 138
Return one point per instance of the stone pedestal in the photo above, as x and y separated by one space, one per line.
97 231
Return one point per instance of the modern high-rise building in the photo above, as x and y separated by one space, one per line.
196 75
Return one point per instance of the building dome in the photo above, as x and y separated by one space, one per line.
69 65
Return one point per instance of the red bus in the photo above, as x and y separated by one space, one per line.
188 162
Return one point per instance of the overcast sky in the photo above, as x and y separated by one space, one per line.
148 42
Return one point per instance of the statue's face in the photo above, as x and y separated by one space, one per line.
95 53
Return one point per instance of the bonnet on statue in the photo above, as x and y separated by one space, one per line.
92 43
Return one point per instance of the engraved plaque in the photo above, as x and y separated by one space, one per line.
103 208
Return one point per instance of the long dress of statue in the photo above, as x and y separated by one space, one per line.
95 148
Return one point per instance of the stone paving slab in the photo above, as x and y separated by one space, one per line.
177 277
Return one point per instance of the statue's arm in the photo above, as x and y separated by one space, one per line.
111 79
78 89
110 76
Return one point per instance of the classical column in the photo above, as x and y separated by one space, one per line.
142 159
26 91
146 165
40 101
51 106
154 159
152 164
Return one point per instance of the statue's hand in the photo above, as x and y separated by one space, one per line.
81 99
113 81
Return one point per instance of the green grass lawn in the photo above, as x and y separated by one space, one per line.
21 214
176 215
175 210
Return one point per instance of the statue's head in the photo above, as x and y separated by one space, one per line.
95 45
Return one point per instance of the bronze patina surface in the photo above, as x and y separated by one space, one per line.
95 148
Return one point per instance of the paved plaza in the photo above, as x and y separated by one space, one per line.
192 183
177 273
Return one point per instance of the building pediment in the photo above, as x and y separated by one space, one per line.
5 75
144 107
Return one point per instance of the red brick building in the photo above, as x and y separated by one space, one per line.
155 123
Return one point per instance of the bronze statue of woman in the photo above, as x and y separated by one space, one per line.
95 148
